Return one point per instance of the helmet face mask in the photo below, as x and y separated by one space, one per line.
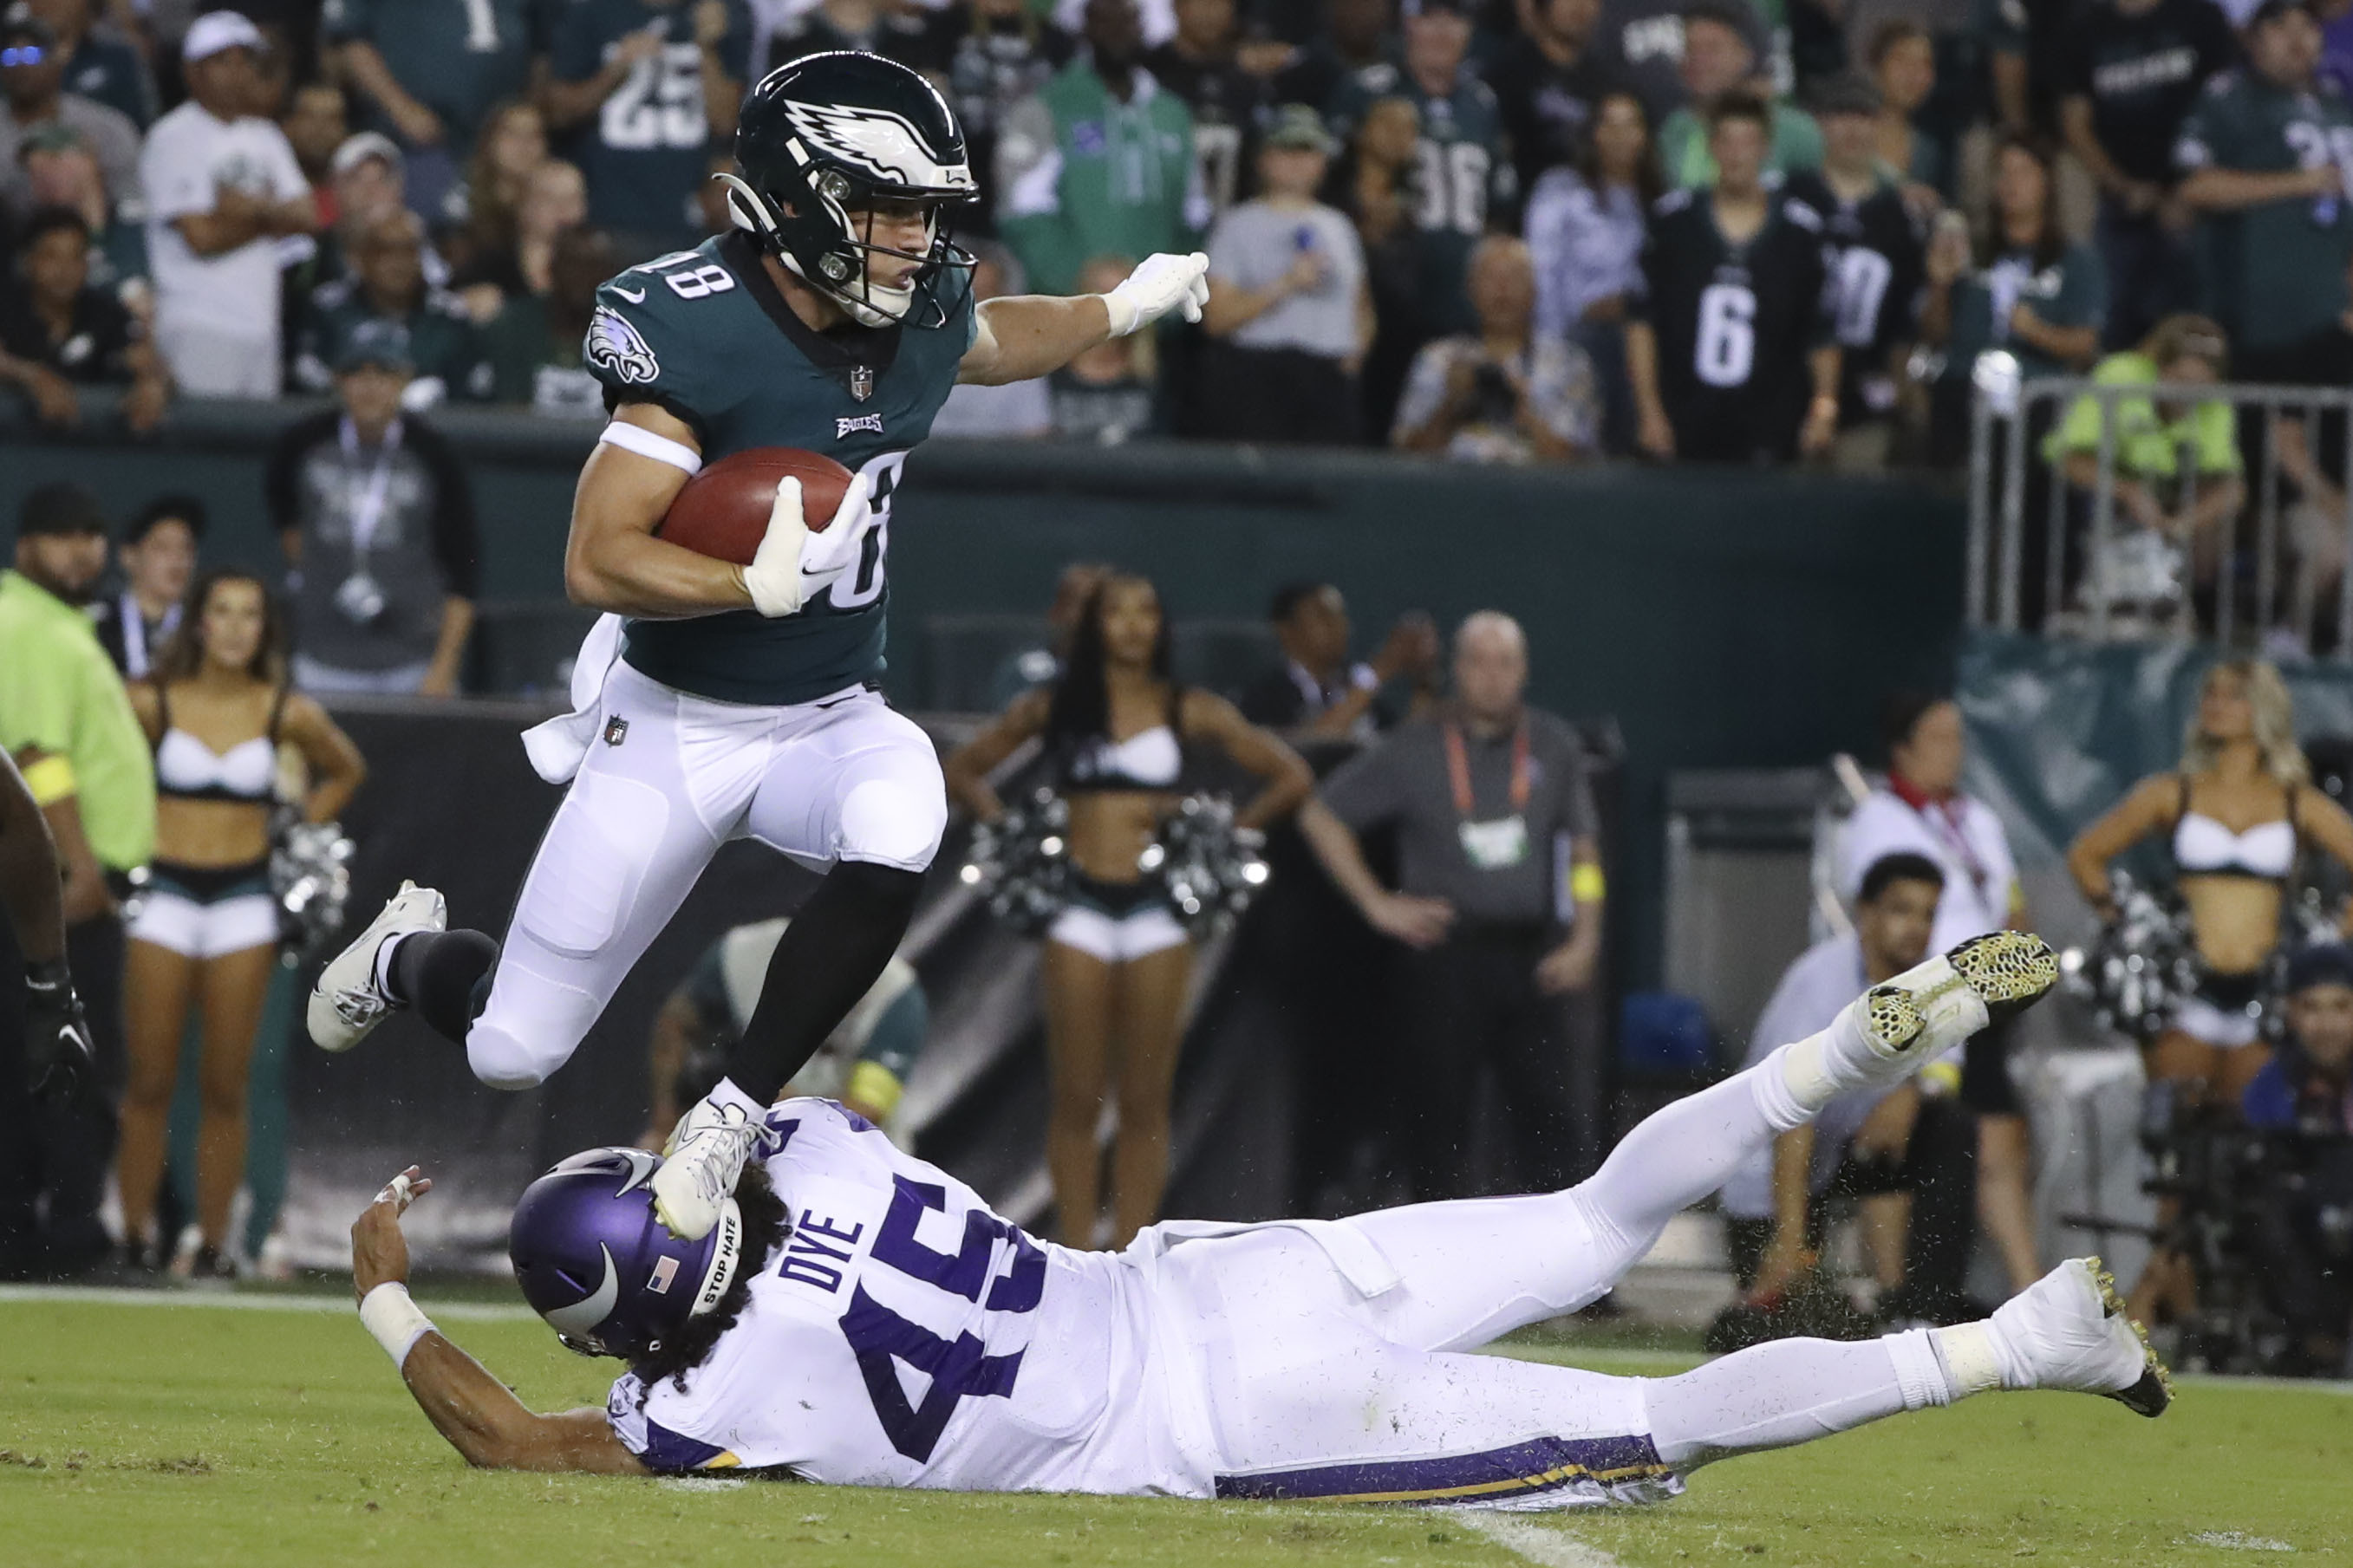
824 143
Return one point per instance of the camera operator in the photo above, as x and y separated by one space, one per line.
2300 1226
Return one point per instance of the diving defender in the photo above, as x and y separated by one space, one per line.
716 701
861 1318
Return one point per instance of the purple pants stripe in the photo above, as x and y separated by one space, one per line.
1540 1465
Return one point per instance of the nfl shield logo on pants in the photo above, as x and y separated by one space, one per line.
861 382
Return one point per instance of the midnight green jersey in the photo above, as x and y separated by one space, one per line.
458 57
2274 273
706 334
1463 178
646 150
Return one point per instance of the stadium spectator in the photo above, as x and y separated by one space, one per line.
1355 36
2304 1099
100 64
222 189
2310 443
2155 435
1289 313
1728 338
158 557
32 96
2336 19
1920 810
1462 172
375 516
387 284
316 122
1903 70
1483 795
640 89
367 183
1719 60
1098 162
1874 253
2129 73
1019 409
864 1063
430 70
866 26
1586 225
1375 187
60 172
2001 26
988 56
2260 164
1904 1153
1201 64
57 331
1320 693
1111 392
45 1049
509 150
1504 394
2029 293
554 201
1549 82
65 718
1041 665
533 346
204 946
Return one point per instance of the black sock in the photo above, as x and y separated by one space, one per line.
831 956
444 976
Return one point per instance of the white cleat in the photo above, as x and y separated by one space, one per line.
701 1167
1931 1007
347 1003
2070 1330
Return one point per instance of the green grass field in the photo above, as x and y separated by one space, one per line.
186 1433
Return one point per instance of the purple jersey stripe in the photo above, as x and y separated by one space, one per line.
1543 1464
669 1451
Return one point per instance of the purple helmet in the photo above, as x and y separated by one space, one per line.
607 1275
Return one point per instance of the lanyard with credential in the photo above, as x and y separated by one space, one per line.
1458 769
367 506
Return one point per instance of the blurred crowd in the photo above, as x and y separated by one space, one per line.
1504 230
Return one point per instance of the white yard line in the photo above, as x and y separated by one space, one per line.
257 1301
1549 1548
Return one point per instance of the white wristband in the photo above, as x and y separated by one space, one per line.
395 1320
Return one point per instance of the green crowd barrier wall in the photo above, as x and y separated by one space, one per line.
1725 617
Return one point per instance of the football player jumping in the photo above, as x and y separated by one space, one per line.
717 702
859 1317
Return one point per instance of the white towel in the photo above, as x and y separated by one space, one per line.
557 747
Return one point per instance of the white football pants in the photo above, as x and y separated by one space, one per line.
669 778
1312 1387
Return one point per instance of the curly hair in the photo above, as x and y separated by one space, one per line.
765 1226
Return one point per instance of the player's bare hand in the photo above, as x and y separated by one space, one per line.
1415 921
379 1250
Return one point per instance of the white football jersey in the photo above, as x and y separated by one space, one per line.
907 1336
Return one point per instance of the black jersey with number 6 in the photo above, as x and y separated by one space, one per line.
1733 325
1876 258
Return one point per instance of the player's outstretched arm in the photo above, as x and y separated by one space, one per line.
1023 336
481 1415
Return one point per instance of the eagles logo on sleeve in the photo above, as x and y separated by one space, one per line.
616 346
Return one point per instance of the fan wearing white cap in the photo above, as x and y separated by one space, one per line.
223 188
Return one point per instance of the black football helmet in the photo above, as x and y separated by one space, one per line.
826 133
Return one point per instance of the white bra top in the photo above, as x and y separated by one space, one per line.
186 767
2204 848
1150 759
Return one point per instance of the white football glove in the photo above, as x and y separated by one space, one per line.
792 564
1162 284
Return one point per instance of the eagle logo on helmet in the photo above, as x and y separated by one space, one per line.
885 145
620 348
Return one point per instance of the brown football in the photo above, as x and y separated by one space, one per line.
723 511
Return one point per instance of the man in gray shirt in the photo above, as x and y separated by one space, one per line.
1496 844
377 521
